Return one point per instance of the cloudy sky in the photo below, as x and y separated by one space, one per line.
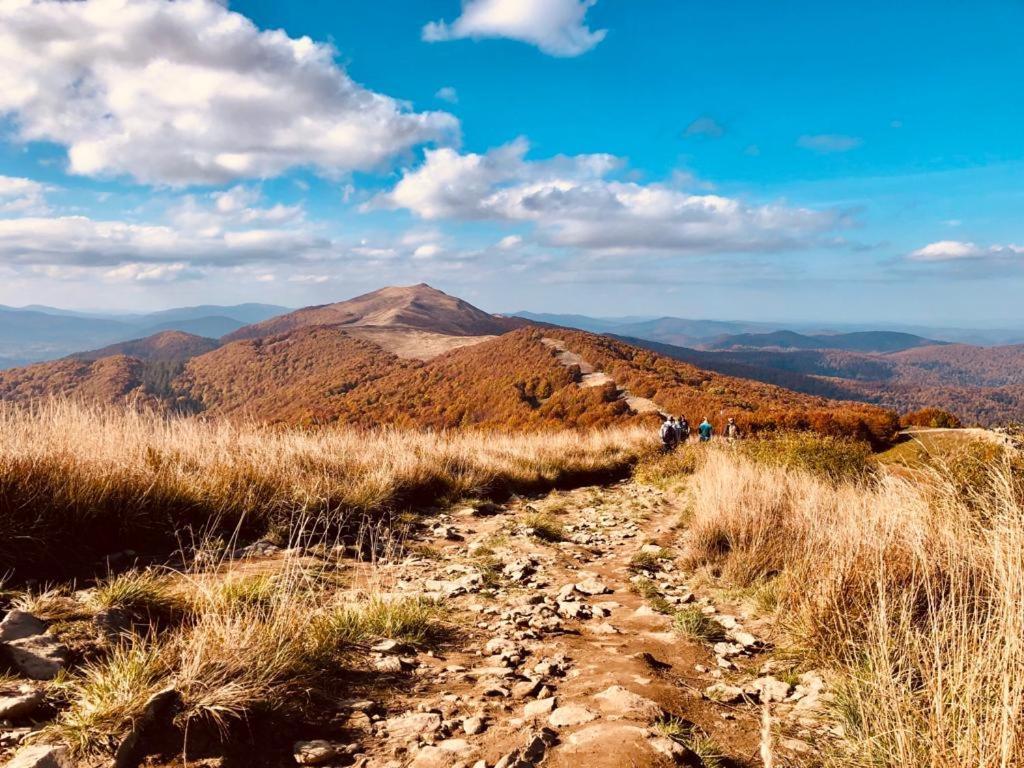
740 160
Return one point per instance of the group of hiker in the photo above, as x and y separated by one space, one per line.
676 431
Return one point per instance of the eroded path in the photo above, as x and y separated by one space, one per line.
590 377
566 652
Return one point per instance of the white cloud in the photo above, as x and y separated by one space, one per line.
448 94
829 143
510 242
557 27
426 251
19 195
152 273
189 92
705 126
957 250
572 203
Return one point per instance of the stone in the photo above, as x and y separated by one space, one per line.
23 704
573 610
413 725
724 693
539 708
771 688
525 689
18 625
745 639
571 714
39 657
673 750
473 725
315 752
618 701
157 715
388 664
41 756
604 628
592 587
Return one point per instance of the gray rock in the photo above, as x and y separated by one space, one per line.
39 657
41 756
539 708
771 688
571 714
414 725
24 704
315 752
622 702
592 587
18 625
473 725
724 694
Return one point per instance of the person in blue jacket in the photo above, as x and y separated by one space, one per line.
705 430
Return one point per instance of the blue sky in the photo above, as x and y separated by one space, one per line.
787 161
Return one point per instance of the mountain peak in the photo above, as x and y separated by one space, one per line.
419 306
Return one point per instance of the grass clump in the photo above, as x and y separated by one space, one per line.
412 620
711 755
648 561
833 458
141 594
543 526
692 622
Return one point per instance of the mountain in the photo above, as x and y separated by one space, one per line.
211 326
417 306
668 330
300 371
861 341
165 346
30 334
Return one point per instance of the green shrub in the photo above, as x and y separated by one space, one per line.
835 458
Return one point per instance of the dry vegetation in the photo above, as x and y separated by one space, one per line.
910 587
79 482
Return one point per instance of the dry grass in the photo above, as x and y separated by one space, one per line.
912 590
79 482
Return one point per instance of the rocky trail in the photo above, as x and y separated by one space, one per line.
572 639
566 652
591 377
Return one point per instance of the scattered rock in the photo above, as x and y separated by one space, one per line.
473 725
571 714
592 587
39 657
622 702
388 665
18 625
316 752
724 693
771 688
41 756
539 708
22 705
414 725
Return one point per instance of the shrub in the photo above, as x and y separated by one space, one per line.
835 458
930 417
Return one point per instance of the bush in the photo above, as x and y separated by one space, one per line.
930 417
835 458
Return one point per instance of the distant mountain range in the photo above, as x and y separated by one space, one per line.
35 333
414 356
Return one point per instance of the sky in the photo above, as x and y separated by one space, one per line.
746 160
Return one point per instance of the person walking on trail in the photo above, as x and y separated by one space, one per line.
705 430
668 434
732 432
682 430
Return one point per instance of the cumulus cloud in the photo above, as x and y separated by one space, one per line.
189 92
573 202
705 126
19 195
152 273
557 27
828 143
448 94
957 250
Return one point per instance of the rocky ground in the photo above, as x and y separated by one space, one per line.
573 639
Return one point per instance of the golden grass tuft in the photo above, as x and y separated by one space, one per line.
910 588
77 482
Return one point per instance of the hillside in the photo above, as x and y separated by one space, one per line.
165 346
417 306
861 341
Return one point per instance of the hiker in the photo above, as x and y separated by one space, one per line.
668 434
705 430
682 430
732 432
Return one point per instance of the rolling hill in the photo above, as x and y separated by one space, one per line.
166 346
861 341
498 372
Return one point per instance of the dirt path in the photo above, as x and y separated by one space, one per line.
594 378
561 657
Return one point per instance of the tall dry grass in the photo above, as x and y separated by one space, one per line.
911 588
78 481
